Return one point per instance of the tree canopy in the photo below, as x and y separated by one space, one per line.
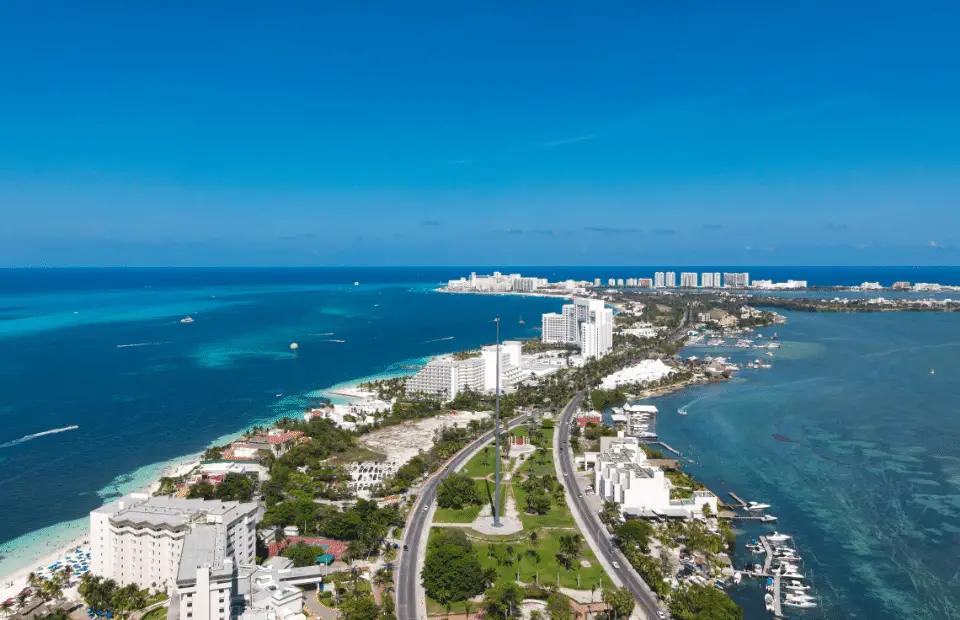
457 491
452 573
302 554
698 602
620 601
360 607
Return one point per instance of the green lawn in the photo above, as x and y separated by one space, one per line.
547 547
559 516
531 467
476 468
467 515
156 614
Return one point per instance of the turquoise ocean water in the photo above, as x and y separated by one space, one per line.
869 484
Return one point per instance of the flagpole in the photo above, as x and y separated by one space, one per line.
496 475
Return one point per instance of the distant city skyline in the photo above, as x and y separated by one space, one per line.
429 134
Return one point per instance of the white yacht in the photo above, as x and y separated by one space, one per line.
768 519
756 507
187 319
795 585
778 537
682 411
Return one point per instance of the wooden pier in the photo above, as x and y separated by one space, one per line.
742 503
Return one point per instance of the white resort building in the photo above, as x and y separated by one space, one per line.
587 323
623 475
448 377
151 541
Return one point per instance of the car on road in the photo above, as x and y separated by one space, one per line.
405 548
661 615
580 495
564 474
616 565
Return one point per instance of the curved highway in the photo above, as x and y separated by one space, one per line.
411 604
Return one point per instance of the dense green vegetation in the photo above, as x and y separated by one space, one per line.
302 554
107 595
458 491
698 602
602 399
235 487
451 570
363 525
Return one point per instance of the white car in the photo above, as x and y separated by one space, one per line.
616 565
660 614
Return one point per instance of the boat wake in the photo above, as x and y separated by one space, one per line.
140 344
437 340
25 438
323 334
334 340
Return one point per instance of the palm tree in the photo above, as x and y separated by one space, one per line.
6 606
534 538
536 560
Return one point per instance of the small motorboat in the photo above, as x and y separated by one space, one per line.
187 319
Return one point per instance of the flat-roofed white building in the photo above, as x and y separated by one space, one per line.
448 377
671 279
688 279
658 279
623 475
140 539
554 328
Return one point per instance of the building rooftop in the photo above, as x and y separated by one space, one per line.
205 545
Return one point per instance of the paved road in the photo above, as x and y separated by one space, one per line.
409 605
592 527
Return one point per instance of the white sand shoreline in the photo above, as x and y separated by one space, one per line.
13 580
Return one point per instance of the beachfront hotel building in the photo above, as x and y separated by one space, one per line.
688 279
736 280
497 283
671 279
152 541
586 323
448 377
658 279
510 351
623 475
710 279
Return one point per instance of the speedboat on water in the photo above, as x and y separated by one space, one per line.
186 319
795 585
778 537
682 411
756 507
767 519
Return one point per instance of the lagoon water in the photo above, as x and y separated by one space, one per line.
866 470
869 483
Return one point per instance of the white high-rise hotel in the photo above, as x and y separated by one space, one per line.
688 279
585 322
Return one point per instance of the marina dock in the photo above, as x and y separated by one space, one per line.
768 550
777 607
742 503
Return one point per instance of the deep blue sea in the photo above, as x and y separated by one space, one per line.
870 488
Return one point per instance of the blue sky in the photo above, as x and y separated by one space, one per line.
445 133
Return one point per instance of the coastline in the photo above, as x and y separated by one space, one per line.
24 554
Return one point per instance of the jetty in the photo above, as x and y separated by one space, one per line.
742 503
768 550
672 449
777 608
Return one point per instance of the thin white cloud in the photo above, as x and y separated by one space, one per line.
565 141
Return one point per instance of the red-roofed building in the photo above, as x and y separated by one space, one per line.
588 418
275 440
